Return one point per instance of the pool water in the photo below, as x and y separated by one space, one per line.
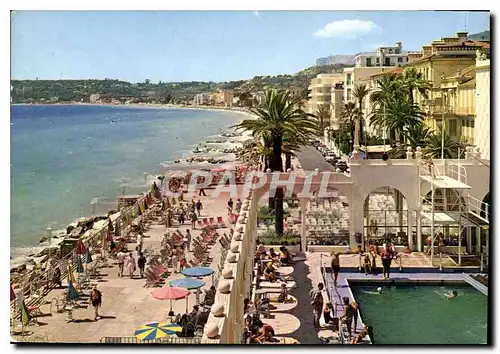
407 314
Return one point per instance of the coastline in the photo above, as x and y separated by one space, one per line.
31 254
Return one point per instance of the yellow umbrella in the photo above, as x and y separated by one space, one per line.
157 330
71 276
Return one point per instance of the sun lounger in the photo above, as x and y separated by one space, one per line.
212 222
220 222
200 223
277 284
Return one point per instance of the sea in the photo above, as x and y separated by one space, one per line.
71 161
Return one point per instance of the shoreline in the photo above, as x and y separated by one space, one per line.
24 255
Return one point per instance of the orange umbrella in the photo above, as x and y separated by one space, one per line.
80 247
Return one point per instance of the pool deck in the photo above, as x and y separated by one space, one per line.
343 289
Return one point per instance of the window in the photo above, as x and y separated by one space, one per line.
387 62
368 61
377 60
348 94
472 123
453 127
407 59
348 79
400 60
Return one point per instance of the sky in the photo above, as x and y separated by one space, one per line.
211 45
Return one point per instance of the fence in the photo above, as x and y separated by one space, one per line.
165 340
43 284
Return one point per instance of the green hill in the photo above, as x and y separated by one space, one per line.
481 36
38 91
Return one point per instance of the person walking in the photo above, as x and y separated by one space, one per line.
181 255
201 192
199 206
188 240
182 217
230 204
121 262
141 262
130 265
335 267
193 218
316 297
175 260
96 301
238 205
139 243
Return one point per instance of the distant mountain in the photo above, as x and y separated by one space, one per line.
34 91
337 59
481 36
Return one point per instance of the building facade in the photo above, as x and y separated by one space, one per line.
438 63
202 98
320 91
482 126
383 56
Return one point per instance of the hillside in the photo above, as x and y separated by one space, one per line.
37 91
481 36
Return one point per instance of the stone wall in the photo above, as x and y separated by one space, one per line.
225 323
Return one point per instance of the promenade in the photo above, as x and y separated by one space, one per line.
126 304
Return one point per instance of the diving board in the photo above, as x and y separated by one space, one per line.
445 182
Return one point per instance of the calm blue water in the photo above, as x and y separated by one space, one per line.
64 156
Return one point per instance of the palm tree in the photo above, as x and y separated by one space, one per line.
350 114
360 92
398 115
279 119
414 81
415 136
323 114
435 143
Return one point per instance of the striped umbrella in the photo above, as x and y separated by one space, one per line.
139 211
88 256
80 247
79 265
72 293
25 316
12 294
157 330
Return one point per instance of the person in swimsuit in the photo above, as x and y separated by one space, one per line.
359 338
387 256
452 295
335 266
96 301
328 313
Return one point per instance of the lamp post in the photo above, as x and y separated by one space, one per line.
336 126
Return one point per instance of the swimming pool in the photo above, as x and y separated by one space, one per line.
421 314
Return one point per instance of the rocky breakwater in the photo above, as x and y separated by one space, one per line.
26 271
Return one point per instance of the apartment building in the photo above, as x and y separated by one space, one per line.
320 91
438 63
383 56
482 122
202 98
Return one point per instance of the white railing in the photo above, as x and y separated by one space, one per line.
457 172
477 207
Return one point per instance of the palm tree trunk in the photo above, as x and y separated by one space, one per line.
351 145
288 162
277 166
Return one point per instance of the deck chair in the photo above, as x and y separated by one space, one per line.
205 222
220 221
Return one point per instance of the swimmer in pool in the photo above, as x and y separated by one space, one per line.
378 292
451 295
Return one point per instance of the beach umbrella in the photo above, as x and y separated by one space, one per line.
12 294
79 265
25 316
199 272
139 210
80 247
71 276
157 330
72 293
146 206
171 293
88 256
187 283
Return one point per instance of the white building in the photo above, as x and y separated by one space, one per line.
383 56
201 99
482 121
320 91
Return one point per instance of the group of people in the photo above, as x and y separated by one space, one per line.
349 317
256 331
369 258
127 262
230 205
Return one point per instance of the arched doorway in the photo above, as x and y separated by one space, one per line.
328 220
486 207
385 217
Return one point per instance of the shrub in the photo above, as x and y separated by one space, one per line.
269 237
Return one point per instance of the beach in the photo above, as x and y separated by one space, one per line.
132 173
